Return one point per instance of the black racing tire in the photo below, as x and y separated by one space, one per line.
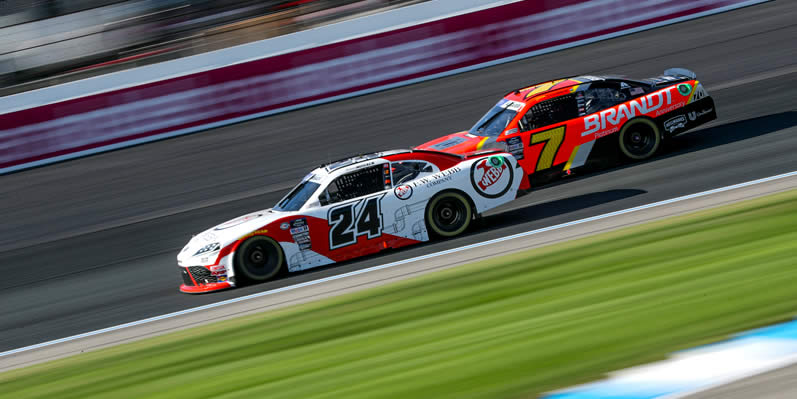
259 258
639 139
448 214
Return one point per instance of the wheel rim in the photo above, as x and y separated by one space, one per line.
640 141
449 214
257 257
259 260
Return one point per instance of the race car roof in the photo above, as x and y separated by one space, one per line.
351 160
544 87
528 92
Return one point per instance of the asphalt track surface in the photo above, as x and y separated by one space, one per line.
777 384
91 243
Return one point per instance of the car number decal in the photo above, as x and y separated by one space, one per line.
349 221
551 141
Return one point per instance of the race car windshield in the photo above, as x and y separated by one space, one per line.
496 119
297 197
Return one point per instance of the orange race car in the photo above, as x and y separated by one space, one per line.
565 124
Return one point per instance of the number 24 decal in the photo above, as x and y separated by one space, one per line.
349 221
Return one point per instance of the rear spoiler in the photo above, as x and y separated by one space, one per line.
670 76
680 72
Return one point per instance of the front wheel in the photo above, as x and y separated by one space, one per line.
449 214
640 139
258 259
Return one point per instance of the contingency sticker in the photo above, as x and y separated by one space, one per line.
301 233
514 145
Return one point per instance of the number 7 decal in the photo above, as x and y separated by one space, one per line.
551 141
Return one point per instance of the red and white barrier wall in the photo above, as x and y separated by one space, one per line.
229 94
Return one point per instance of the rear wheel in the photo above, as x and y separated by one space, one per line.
449 214
640 139
258 259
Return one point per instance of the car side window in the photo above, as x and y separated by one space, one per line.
549 112
599 98
355 184
404 171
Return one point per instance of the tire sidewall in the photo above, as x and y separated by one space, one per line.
628 127
430 223
243 273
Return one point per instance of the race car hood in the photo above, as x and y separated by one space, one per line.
215 238
456 143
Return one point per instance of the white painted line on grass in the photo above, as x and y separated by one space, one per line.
399 263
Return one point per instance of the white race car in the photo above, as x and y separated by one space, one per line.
350 208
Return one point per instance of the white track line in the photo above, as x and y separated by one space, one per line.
398 263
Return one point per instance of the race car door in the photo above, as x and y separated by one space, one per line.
549 137
353 206
404 208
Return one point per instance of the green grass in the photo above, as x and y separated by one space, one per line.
509 327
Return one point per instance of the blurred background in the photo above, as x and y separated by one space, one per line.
46 42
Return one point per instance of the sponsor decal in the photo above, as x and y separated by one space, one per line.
693 115
703 112
653 102
669 109
436 178
299 230
635 91
285 226
513 106
514 145
491 177
607 132
403 192
438 181
209 237
222 279
509 104
684 89
678 122
255 233
448 143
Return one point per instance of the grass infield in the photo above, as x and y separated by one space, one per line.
509 327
